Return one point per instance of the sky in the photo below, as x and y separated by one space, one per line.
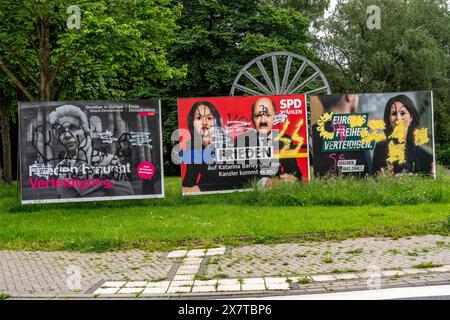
330 8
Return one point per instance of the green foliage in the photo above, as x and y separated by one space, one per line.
333 191
355 251
4 296
443 154
447 223
304 279
426 265
218 37
310 9
120 48
340 271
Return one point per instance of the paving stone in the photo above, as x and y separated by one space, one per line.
229 287
253 280
275 280
130 290
135 284
278 286
158 284
106 291
179 289
154 290
228 282
113 284
413 271
205 282
181 283
187 272
391 273
27 273
177 254
440 269
191 271
204 289
345 276
196 253
192 265
183 277
215 251
323 278
190 261
253 287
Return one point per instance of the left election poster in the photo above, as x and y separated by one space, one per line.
90 151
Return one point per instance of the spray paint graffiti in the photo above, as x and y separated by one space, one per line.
370 134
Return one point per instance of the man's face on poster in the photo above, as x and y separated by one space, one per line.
263 116
70 133
204 124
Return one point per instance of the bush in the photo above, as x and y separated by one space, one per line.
333 191
443 155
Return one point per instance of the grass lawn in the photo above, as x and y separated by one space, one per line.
336 208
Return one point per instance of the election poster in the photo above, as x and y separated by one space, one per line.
230 143
373 134
90 151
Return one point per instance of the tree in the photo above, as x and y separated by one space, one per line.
410 52
120 39
218 37
118 48
312 9
6 103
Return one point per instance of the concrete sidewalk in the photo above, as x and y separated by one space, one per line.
302 267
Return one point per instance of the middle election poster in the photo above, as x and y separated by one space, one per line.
229 143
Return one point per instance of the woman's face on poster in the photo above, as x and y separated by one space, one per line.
204 123
400 113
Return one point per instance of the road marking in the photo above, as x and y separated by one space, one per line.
381 294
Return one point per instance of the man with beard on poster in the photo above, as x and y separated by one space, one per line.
272 171
205 128
326 162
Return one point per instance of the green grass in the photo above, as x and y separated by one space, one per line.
4 296
304 280
327 259
343 271
325 209
426 265
355 251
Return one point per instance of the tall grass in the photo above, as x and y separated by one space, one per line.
379 191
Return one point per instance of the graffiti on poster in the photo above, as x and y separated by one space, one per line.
227 143
90 150
375 134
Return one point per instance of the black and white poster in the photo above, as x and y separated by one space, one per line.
90 150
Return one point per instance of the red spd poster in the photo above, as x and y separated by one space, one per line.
231 143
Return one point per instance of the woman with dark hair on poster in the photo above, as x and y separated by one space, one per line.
417 160
205 128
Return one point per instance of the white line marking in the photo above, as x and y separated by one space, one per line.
381 294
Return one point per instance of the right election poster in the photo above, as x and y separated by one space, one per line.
373 134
